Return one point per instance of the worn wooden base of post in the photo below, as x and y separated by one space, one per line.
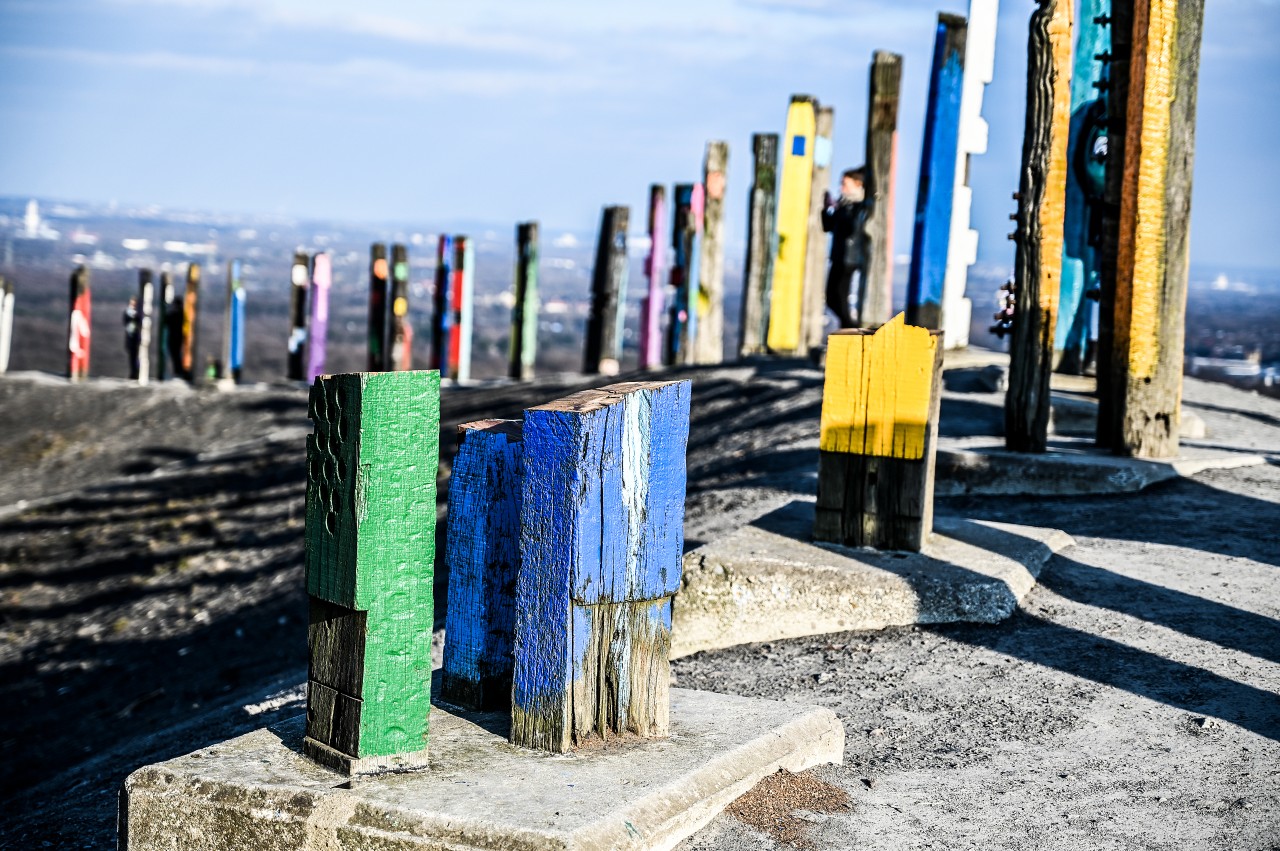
879 435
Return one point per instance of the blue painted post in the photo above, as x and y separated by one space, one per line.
934 200
602 534
1086 168
483 558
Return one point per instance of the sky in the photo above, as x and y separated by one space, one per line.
431 113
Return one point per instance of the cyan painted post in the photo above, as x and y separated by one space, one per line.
6 322
318 332
378 275
482 553
442 324
233 333
299 278
79 328
601 538
935 197
654 300
370 548
524 316
1086 174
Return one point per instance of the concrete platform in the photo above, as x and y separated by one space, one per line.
768 580
258 793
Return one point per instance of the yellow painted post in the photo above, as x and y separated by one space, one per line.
878 436
785 300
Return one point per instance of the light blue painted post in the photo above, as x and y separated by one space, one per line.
235 349
1086 163
934 200
602 534
483 558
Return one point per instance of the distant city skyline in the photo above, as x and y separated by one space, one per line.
487 112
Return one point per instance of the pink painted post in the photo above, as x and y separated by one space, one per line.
654 301
318 338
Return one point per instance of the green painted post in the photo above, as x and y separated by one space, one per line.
370 549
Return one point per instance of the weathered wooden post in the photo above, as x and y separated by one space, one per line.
757 275
442 324
6 322
879 437
1149 322
524 316
1042 195
371 516
1086 175
813 316
378 275
190 325
300 278
318 334
601 542
962 249
482 552
708 342
146 302
463 297
786 297
169 318
686 224
875 290
79 328
608 293
654 301
233 324
400 332
935 196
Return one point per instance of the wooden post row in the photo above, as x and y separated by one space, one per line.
875 290
934 198
462 297
170 334
1149 323
79 325
708 302
6 322
686 225
146 300
524 318
787 296
762 237
653 303
1086 176
1042 195
300 278
608 294
601 542
318 318
962 248
442 325
372 461
378 275
399 331
813 316
879 436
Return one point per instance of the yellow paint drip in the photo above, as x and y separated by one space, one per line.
1053 205
876 398
785 302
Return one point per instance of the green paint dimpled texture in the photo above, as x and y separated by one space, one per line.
370 548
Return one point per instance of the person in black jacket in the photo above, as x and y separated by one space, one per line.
845 219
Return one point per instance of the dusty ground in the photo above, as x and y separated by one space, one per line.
1132 701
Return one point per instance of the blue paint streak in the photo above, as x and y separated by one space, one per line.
662 548
237 321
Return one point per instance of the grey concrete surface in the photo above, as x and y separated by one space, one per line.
258 792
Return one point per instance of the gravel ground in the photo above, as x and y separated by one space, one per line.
1131 702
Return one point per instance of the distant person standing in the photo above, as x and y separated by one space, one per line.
845 219
133 337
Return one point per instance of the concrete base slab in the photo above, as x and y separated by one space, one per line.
982 465
769 580
259 792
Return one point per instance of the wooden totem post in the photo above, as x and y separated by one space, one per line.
813 316
169 339
371 519
146 302
463 286
233 324
962 249
190 325
79 325
318 334
483 556
608 294
879 437
1149 322
524 317
443 321
6 322
400 332
686 224
875 290
1042 195
762 236
935 197
786 299
378 275
654 301
300 277
602 532
708 341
